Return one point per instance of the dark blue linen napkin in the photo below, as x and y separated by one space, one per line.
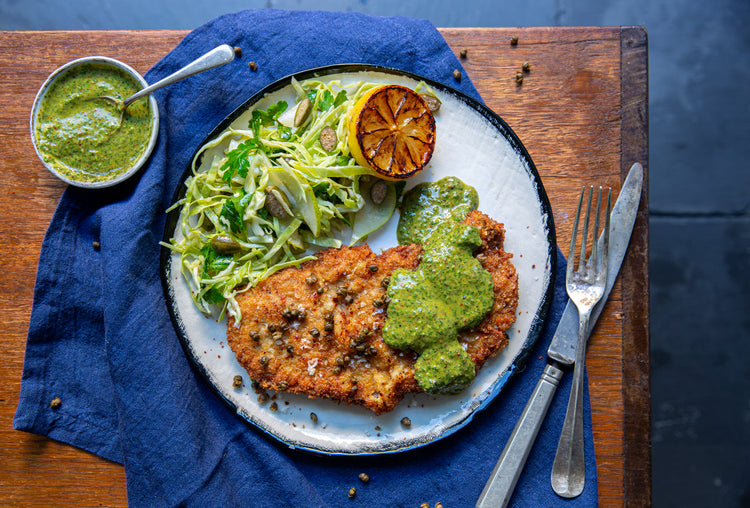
101 340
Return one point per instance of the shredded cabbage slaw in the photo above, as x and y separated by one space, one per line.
229 240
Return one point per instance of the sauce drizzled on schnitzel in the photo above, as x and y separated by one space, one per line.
449 290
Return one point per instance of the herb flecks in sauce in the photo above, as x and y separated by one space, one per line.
81 138
448 292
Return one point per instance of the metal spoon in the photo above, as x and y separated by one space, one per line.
216 57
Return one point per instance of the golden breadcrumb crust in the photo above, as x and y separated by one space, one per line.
317 329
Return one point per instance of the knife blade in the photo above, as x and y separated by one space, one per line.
562 351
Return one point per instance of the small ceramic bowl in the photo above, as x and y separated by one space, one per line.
119 176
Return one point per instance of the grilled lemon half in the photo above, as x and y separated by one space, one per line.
392 131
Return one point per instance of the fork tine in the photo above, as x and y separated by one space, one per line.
572 252
605 244
594 260
584 236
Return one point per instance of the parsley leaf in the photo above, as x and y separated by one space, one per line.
340 98
238 160
321 189
324 190
233 210
285 133
329 100
213 262
275 110
232 216
213 295
264 214
262 118
269 116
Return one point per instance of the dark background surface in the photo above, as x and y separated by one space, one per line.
699 75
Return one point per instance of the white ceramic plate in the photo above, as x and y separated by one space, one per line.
473 144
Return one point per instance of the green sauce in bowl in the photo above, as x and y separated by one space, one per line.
82 140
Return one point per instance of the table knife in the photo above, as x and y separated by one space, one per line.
561 352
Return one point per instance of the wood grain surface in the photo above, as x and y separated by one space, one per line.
582 113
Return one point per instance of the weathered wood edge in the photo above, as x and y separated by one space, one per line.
635 295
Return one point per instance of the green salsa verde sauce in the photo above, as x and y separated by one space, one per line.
80 138
449 291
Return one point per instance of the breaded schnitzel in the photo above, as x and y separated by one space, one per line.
317 329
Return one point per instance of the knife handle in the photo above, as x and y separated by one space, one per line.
503 479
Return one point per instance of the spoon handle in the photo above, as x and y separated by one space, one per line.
218 56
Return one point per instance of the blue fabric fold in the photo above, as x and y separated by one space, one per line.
100 338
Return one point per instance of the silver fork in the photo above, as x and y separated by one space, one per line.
585 288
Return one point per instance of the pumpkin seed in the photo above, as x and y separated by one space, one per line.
378 192
273 203
224 244
328 138
433 103
303 112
